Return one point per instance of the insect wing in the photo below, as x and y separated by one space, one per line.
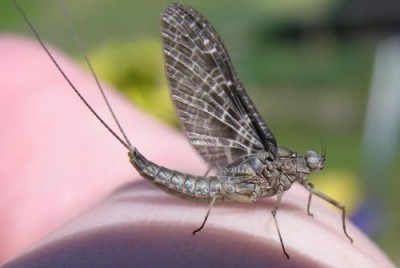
216 113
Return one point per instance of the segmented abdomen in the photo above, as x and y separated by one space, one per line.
186 184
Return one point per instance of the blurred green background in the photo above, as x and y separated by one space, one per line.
308 74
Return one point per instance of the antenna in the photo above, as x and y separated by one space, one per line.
324 148
88 63
125 142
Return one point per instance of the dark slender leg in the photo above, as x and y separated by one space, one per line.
208 171
333 202
273 212
206 217
309 201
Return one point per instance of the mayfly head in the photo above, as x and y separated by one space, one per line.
314 161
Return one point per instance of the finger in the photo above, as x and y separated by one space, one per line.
132 229
58 159
93 165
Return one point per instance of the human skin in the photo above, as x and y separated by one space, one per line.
69 196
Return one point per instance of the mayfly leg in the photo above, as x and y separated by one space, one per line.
206 217
309 200
207 171
274 212
331 201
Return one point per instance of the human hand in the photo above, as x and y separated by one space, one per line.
60 165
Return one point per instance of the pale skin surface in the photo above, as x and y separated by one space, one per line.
59 165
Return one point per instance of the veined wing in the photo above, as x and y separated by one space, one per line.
215 111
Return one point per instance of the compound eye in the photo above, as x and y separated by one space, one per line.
314 161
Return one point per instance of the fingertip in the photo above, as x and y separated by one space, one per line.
140 226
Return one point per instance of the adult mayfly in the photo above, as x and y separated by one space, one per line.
221 122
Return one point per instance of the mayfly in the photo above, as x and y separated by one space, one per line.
221 122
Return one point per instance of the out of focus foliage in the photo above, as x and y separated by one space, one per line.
307 65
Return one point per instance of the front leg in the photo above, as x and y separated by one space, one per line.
331 201
309 200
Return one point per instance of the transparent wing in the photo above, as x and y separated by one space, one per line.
215 111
